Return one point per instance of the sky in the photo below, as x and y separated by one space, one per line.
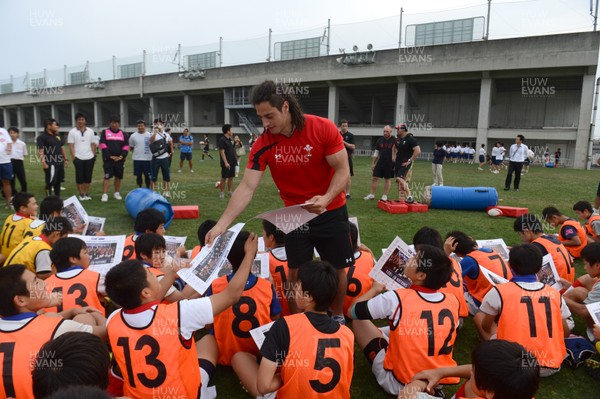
40 34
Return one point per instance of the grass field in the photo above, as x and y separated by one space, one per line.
539 188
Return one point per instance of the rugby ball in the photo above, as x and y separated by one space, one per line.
494 212
218 184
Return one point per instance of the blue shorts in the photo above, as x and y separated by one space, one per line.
142 168
6 171
481 159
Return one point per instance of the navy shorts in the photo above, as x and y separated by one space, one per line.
6 171
481 159
185 156
142 168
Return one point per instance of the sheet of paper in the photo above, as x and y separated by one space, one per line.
261 244
548 273
173 243
94 225
594 310
258 334
389 269
104 251
492 277
205 267
288 218
74 211
497 245
260 267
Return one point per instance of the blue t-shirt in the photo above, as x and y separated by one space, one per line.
184 139
438 156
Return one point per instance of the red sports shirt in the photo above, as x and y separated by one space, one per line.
298 164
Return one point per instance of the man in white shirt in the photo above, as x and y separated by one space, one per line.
517 155
82 144
160 161
17 157
139 143
6 170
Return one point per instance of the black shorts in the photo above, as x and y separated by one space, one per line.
402 171
384 170
227 173
598 191
351 165
113 168
481 159
329 233
142 168
84 169
185 156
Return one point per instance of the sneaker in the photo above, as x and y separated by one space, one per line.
339 318
384 197
410 199
117 196
480 169
104 197
348 196
179 171
191 170
221 195
229 193
369 197
506 188
81 197
87 197
62 188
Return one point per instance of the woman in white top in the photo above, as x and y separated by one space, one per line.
17 156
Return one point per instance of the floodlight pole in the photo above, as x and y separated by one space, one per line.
400 30
328 34
269 59
487 27
595 15
179 57
65 76
220 51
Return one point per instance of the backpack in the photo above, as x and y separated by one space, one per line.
159 146
579 350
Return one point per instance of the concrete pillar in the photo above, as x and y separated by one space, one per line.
124 114
333 106
584 127
36 121
483 120
187 111
400 101
7 121
97 115
74 110
54 111
20 117
153 110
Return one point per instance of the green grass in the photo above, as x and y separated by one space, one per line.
539 188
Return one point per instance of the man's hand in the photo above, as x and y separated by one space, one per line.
227 165
318 204
213 233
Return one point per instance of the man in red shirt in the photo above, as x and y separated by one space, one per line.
308 163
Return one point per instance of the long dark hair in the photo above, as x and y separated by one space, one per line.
276 94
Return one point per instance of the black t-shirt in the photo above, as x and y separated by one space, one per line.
348 138
51 147
384 147
405 148
277 340
225 144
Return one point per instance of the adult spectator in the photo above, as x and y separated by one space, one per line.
6 169
308 163
557 155
53 156
82 145
350 147
160 156
382 164
185 148
18 152
114 147
517 155
139 143
228 161
405 153
239 149
170 148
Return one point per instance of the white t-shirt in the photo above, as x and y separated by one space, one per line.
141 146
518 153
82 142
19 150
482 151
4 141
194 314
